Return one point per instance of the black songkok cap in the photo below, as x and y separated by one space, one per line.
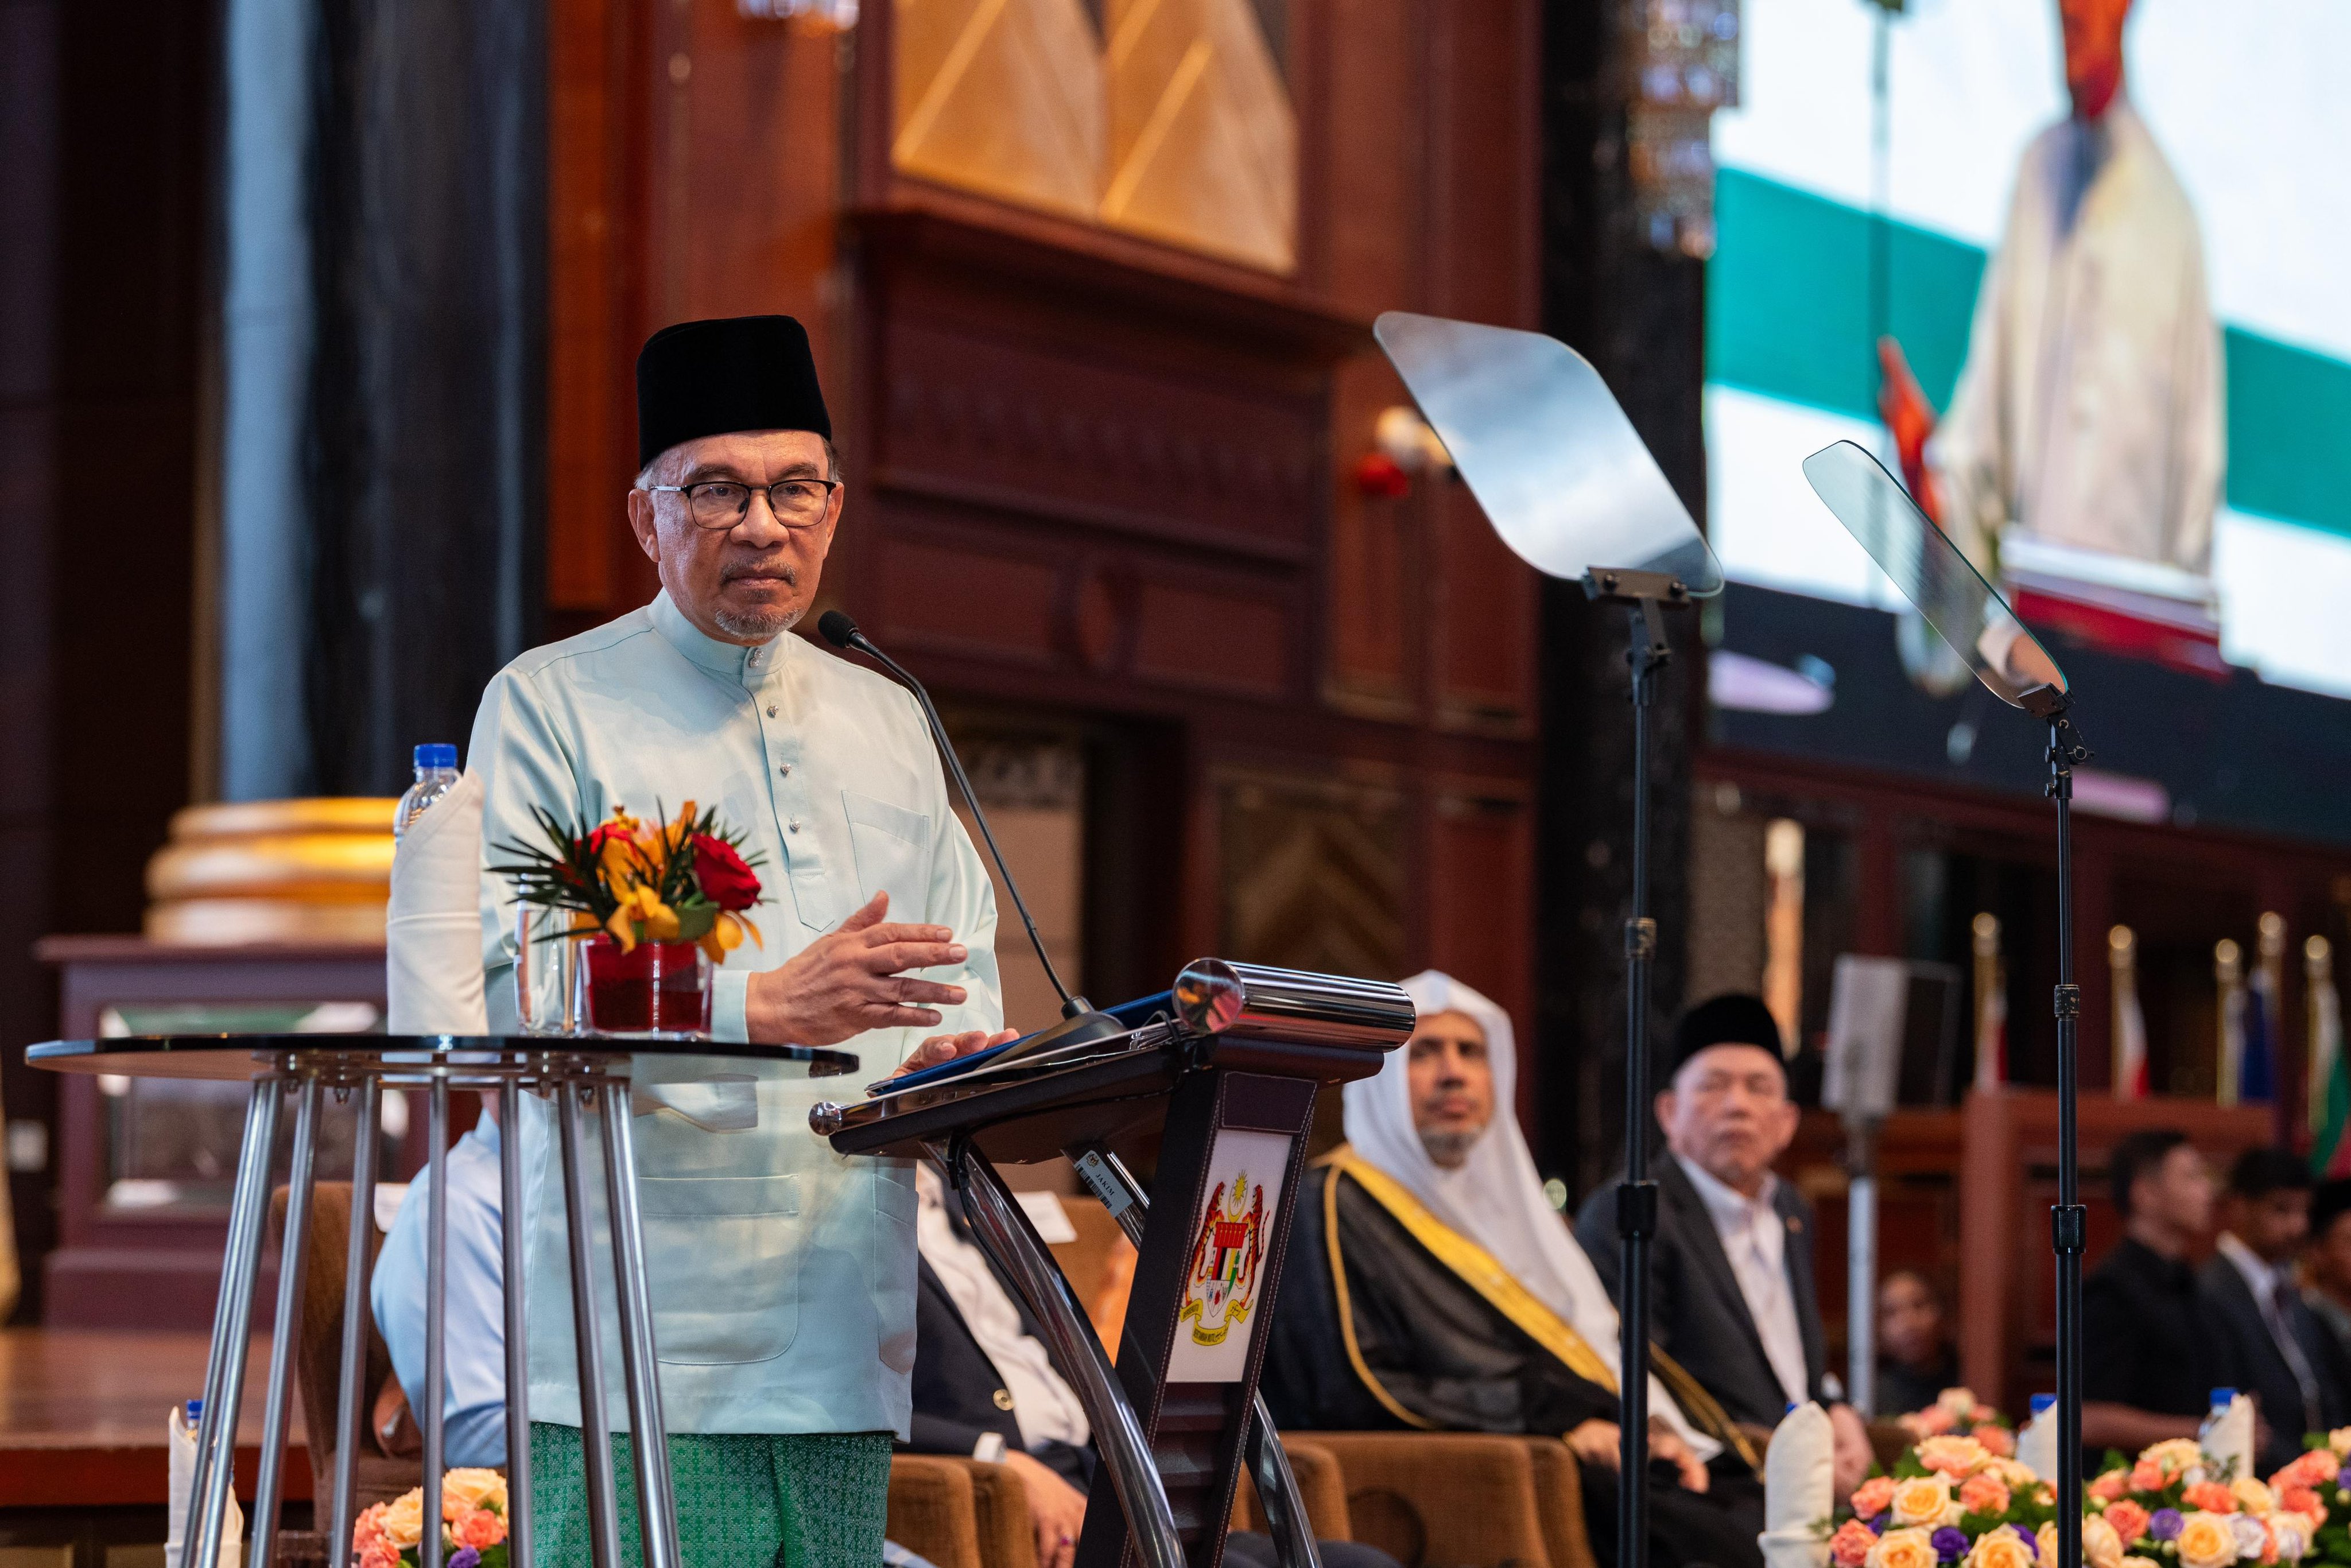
712 377
1735 1018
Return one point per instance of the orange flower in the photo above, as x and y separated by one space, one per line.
2312 1467
1849 1547
2110 1486
1998 1440
1952 1456
481 1530
1985 1493
2302 1500
2128 1519
1873 1495
2212 1497
2147 1476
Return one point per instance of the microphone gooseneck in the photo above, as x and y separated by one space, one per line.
1080 1020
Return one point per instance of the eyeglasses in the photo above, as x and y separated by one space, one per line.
723 502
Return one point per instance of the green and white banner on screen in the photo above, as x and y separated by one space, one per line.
2246 108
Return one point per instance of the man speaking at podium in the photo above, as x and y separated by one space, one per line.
782 1275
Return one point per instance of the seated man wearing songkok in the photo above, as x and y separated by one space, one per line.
985 1387
2280 1352
1429 1285
1732 1293
782 1275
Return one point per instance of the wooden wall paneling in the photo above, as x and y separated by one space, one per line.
598 102
1477 889
1483 202
1372 583
1370 186
1481 604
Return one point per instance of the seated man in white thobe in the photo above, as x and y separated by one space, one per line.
782 1274
473 1372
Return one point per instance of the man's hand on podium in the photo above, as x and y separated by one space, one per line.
947 1047
1903 404
1056 1509
852 979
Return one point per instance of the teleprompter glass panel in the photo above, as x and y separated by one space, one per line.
1941 582
1548 451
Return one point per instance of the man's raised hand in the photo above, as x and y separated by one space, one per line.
852 979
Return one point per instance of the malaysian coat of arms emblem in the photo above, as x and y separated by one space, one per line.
1228 1259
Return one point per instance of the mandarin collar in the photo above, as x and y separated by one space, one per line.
1725 1201
728 661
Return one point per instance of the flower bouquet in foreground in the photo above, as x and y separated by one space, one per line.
1952 1499
473 1525
657 902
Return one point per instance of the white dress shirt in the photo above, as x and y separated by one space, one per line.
1755 1238
2089 411
782 1274
1046 1408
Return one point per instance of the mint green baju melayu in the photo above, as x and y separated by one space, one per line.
782 1274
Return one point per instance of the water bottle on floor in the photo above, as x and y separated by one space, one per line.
436 775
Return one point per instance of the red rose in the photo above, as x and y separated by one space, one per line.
724 880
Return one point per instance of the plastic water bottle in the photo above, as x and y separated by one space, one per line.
2036 1443
436 775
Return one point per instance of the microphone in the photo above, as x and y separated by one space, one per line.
1080 1020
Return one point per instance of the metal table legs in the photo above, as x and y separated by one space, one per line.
575 1084
1076 1349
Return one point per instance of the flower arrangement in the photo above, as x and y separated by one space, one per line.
1952 1499
1959 1410
683 880
472 1524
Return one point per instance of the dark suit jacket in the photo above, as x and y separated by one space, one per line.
1696 1314
958 1393
2260 1368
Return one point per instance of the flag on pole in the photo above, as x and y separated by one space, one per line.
2130 1075
2264 1029
1992 1005
2228 974
2330 1074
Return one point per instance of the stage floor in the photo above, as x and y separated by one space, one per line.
83 1411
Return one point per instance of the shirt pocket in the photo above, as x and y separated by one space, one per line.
724 1265
893 846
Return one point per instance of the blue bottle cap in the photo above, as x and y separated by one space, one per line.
1790 1410
195 1411
439 754
2041 1402
2223 1395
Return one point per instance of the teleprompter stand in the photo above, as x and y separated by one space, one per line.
1226 1073
1970 615
1647 593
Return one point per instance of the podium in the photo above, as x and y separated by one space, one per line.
1226 1067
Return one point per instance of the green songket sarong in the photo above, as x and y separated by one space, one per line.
814 1500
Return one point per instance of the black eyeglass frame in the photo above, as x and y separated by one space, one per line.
744 511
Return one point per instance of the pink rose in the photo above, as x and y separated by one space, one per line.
2302 1500
1849 1547
2128 1519
2147 1476
1998 1440
1985 1493
2212 1497
1875 1495
2111 1485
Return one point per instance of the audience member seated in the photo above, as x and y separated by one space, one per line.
2326 1261
1915 1361
2278 1351
473 1409
1732 1293
2152 1347
1429 1284
985 1387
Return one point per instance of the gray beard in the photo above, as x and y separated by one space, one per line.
763 624
1450 1149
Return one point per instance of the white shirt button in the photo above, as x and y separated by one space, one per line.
771 710
792 827
785 772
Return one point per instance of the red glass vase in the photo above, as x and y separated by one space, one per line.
652 988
